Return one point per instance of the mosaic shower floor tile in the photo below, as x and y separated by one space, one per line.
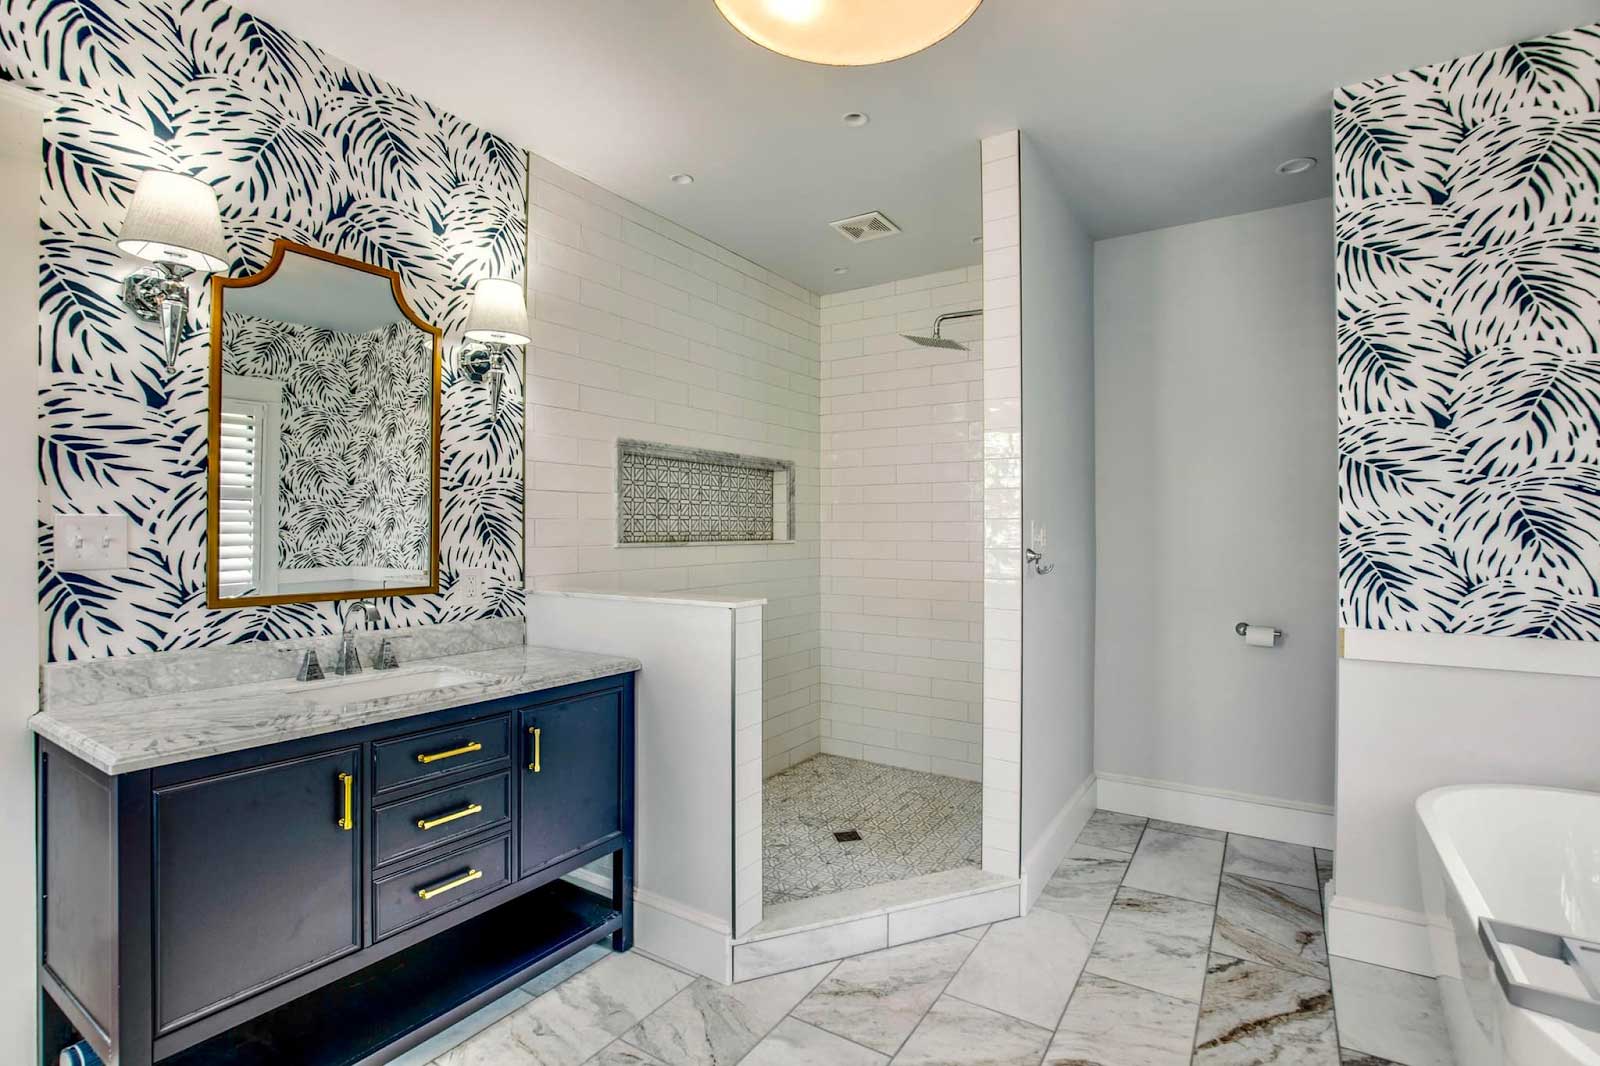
910 823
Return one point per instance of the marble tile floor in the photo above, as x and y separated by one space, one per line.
911 823
1102 972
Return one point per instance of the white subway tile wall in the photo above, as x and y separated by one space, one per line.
902 527
1002 505
643 329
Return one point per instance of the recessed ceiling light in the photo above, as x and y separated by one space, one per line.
841 270
847 33
1298 165
683 179
856 119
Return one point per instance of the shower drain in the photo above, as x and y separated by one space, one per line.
847 836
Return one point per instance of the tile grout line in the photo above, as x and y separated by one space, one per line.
1211 939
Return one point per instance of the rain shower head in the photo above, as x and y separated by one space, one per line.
935 342
939 341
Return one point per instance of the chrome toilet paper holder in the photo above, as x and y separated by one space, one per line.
1242 627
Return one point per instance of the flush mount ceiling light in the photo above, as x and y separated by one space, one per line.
1298 165
682 179
847 33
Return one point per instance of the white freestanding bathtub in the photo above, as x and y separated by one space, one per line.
1528 856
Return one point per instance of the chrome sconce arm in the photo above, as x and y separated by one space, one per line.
159 294
486 363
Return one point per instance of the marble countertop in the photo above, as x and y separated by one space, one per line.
121 736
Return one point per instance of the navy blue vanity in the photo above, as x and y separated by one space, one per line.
337 898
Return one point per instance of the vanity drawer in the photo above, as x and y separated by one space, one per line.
439 753
438 817
401 900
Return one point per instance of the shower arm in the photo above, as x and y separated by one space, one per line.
939 322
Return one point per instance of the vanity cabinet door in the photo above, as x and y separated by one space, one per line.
258 879
571 776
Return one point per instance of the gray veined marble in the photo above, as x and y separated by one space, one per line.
1361 1058
575 1020
794 1043
1186 830
1175 864
1253 1014
1160 943
877 999
1269 922
1026 967
1271 860
622 1054
1085 883
956 1033
1390 1014
1112 1024
709 1024
1112 831
121 736
1324 865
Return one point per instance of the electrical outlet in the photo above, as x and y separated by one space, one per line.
90 542
475 582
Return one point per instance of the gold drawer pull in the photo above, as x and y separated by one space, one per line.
347 821
439 890
465 749
534 765
465 812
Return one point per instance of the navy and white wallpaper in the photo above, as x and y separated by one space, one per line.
355 438
297 145
1467 198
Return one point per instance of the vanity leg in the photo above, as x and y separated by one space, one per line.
622 896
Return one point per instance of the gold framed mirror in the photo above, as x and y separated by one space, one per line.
323 462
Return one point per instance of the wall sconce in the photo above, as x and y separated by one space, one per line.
498 321
173 222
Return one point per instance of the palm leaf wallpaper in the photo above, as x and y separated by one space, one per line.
1467 202
297 145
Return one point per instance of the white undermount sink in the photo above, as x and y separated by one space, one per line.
377 685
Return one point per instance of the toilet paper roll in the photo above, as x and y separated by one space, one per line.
1260 636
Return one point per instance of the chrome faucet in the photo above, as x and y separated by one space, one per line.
349 661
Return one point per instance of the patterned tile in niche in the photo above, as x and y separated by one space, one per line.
911 823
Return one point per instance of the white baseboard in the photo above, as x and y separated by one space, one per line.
688 939
1215 808
1381 935
1046 854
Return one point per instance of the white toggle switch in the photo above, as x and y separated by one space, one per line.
91 542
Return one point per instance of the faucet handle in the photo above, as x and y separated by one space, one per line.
386 658
310 667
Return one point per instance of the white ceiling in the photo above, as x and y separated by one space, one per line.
1151 112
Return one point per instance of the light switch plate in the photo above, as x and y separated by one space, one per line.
91 542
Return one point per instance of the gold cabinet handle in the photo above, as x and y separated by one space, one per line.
348 821
465 812
465 749
439 890
534 765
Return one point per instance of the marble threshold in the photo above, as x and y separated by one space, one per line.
806 932
209 702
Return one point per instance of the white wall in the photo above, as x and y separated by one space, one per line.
1406 728
1214 398
20 134
643 329
902 527
1058 498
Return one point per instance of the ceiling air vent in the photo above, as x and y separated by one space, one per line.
871 226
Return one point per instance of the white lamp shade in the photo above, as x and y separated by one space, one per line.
499 312
174 219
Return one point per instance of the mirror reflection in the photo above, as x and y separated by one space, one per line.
324 434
